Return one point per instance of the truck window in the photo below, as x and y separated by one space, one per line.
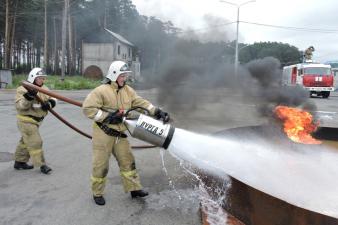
317 71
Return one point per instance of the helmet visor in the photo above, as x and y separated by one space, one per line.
40 73
125 69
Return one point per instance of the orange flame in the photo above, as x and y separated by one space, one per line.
298 124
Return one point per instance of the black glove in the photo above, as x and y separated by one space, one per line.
49 104
45 106
159 114
30 94
114 118
52 102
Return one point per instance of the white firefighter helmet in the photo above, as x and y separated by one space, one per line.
36 72
116 68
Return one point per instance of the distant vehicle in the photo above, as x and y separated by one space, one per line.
334 67
317 78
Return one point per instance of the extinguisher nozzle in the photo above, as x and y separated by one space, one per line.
169 137
150 130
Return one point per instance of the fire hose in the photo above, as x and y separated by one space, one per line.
28 86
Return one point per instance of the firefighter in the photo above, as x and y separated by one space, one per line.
105 105
30 114
308 53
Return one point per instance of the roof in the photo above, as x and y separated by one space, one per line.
119 37
105 36
308 65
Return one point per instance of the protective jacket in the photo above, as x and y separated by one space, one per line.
102 100
109 98
30 116
28 109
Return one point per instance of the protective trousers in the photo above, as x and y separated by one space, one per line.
30 144
105 145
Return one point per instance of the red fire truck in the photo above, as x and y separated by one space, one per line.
315 77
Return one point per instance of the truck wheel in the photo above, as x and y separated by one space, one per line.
325 94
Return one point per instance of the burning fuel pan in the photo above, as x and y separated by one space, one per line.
251 206
326 133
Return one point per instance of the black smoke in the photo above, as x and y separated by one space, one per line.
182 82
186 84
266 83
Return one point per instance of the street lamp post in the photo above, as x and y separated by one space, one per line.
237 29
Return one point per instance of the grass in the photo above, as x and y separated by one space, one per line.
54 82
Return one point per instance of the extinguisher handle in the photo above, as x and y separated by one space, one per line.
135 108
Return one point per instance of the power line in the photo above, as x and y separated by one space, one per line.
303 29
306 29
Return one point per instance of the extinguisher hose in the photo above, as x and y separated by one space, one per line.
30 86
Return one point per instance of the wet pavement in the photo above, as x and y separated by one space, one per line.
64 197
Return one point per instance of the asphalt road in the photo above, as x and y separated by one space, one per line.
64 197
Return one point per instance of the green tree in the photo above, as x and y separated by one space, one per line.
156 41
285 53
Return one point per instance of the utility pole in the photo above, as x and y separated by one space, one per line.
55 52
236 47
45 53
237 30
64 39
7 55
70 44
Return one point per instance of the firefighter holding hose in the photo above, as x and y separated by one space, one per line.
30 114
105 105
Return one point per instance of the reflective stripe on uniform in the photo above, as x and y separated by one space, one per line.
130 180
131 173
98 179
98 115
37 106
26 119
150 107
35 152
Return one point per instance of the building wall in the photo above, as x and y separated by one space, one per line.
97 54
5 78
102 54
123 52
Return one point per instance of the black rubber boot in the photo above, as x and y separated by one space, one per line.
139 193
22 166
99 200
45 169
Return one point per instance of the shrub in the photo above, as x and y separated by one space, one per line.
55 82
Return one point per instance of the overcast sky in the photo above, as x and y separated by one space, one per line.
312 14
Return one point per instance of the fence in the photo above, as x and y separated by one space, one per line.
5 78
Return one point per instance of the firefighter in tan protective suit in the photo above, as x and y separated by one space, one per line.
105 105
30 114
308 53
